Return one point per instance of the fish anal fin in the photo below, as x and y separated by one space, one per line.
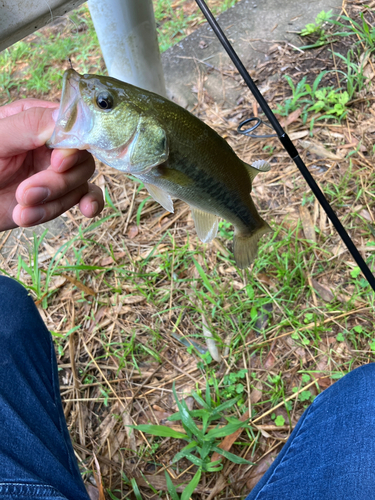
245 246
160 196
205 224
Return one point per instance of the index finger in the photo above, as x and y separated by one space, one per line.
24 104
25 131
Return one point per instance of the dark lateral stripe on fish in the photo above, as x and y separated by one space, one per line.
217 191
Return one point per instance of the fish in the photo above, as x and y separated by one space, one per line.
174 153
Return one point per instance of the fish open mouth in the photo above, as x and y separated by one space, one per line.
70 120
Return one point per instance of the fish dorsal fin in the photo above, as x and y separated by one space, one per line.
205 224
256 167
160 196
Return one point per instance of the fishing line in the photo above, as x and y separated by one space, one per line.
287 143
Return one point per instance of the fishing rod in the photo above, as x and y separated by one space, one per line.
287 143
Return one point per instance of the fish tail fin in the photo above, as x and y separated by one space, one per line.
245 246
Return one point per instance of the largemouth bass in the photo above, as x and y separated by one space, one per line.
170 150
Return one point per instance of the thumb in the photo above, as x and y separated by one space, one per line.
25 131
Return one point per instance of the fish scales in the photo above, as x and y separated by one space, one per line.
174 153
205 185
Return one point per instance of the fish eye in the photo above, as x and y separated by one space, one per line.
104 101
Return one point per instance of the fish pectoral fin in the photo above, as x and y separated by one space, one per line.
261 165
245 247
160 196
149 147
205 224
256 167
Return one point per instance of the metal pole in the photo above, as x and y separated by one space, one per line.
127 35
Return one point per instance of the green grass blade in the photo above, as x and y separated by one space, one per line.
194 413
171 487
202 274
224 431
186 418
228 404
137 493
159 430
208 394
232 457
200 401
109 201
140 208
190 488
185 451
195 460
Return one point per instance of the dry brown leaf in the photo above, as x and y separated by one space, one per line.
319 150
298 135
220 247
127 421
131 299
210 340
100 181
228 441
147 417
159 483
366 215
220 483
84 288
323 290
99 315
267 280
366 127
98 479
256 393
158 249
270 359
256 473
307 224
323 381
106 261
132 231
291 118
108 424
92 491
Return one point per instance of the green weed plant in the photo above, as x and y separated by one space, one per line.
317 30
202 442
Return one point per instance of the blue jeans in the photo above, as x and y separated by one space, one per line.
329 456
36 454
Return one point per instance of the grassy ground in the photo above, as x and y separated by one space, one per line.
129 298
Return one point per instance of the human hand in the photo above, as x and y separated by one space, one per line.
38 184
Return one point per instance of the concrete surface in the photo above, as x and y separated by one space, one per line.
251 26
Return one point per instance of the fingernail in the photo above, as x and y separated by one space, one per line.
35 195
94 208
55 114
31 216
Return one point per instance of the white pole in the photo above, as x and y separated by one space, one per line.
127 35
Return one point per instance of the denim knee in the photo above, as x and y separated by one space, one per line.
11 294
359 381
18 312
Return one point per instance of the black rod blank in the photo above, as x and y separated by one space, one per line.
287 143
